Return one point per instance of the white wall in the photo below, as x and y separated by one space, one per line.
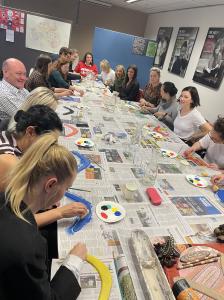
212 101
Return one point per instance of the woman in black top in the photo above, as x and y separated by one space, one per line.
130 88
38 180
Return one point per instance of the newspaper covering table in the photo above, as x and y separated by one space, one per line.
187 212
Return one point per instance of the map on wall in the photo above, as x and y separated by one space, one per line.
45 34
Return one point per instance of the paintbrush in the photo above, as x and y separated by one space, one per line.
199 260
203 262
96 163
81 190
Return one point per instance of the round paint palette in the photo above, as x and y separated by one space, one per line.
84 142
168 153
155 135
197 181
110 212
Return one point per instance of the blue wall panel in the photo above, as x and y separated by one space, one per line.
116 47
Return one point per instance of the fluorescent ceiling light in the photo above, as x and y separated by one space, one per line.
98 2
131 1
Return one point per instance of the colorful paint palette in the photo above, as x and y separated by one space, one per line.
168 153
197 181
84 142
110 212
155 135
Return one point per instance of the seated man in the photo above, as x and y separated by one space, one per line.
12 91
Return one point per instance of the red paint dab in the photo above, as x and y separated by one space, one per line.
103 215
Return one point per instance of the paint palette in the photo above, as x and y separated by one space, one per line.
168 153
197 181
110 212
84 142
155 135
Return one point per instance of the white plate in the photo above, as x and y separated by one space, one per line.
84 142
197 180
110 212
168 153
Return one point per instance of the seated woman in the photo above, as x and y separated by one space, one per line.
151 93
130 87
40 74
213 142
189 124
119 79
107 74
30 125
41 96
38 180
58 77
86 66
166 111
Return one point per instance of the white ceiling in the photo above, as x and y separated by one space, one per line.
155 6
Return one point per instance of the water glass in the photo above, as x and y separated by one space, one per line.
150 167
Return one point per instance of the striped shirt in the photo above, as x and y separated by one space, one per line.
11 99
8 144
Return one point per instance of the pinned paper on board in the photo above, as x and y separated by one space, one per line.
9 35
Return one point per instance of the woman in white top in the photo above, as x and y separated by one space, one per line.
189 124
107 74
213 142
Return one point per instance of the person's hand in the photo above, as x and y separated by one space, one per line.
73 209
217 179
213 166
188 152
144 110
159 114
79 250
81 92
67 92
142 102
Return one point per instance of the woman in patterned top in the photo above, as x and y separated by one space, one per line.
151 93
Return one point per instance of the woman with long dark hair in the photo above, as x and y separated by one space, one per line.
130 88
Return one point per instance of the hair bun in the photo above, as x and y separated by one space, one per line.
20 114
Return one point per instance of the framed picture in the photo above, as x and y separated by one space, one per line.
139 45
182 50
163 40
151 49
210 68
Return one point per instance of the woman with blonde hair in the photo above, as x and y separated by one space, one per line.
30 125
37 181
119 78
41 96
151 93
107 74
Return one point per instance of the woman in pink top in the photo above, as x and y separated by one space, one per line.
86 66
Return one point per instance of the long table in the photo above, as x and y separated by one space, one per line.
188 213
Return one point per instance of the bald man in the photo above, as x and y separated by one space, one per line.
12 91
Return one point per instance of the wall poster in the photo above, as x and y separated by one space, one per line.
163 40
210 68
182 50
